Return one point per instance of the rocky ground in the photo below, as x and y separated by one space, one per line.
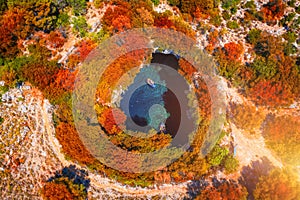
30 153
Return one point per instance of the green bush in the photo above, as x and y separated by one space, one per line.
289 49
227 4
78 6
3 89
291 3
265 68
216 20
216 156
63 19
80 25
155 2
1 120
174 2
253 36
233 10
298 9
231 164
250 5
290 37
226 15
232 25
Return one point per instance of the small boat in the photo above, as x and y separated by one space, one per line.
150 83
162 127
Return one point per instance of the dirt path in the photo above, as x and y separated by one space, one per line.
251 149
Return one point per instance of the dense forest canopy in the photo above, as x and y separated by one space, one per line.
45 42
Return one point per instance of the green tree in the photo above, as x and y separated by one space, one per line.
265 68
155 2
231 164
232 25
253 36
216 156
80 25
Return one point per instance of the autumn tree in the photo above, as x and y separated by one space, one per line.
278 184
12 28
118 19
56 191
112 120
226 190
143 18
233 51
270 93
72 144
281 135
273 10
246 117
55 39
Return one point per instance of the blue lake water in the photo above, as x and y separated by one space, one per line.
147 107
143 104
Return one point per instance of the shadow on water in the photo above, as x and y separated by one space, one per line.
174 104
165 59
141 121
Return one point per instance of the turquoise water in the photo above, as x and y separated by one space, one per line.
144 105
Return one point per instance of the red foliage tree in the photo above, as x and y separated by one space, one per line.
84 48
112 120
55 191
233 51
12 27
227 190
55 39
163 22
273 10
118 18
267 92
65 79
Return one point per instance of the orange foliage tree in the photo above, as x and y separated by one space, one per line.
112 119
55 39
233 51
278 184
273 10
282 136
118 18
186 69
84 47
71 143
56 191
270 93
227 190
12 27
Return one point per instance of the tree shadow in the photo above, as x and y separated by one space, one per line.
250 174
194 188
77 176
